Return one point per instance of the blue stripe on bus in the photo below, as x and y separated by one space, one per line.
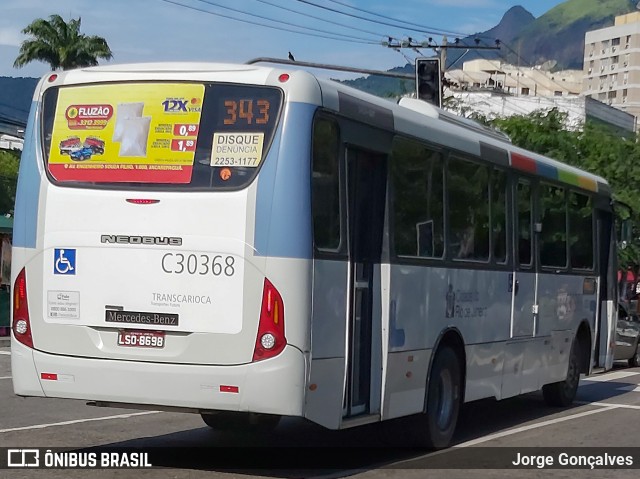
547 171
283 203
27 196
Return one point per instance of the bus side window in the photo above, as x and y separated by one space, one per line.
417 175
553 238
325 194
469 210
580 231
499 215
524 223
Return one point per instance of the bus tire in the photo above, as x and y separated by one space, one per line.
231 421
562 393
444 399
634 361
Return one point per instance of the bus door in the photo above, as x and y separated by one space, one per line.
517 375
607 288
523 281
366 191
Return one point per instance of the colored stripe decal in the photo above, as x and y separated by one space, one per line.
547 171
568 177
530 165
588 184
523 163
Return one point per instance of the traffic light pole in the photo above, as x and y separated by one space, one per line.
430 70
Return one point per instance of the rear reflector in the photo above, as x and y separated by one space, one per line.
139 201
229 389
49 376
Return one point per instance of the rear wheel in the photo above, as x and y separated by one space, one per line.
240 421
443 399
563 393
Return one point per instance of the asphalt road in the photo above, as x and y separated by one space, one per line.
489 436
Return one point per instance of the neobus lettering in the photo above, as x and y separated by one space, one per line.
157 240
239 139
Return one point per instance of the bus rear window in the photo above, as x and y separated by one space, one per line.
158 135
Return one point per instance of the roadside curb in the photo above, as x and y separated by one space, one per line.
5 341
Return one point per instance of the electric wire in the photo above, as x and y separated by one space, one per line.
209 2
437 30
324 19
190 7
395 25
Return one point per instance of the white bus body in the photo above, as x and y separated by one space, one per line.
171 269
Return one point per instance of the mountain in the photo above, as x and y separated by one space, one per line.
15 98
556 36
512 23
559 33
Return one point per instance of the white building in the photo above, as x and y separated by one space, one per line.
8 142
612 64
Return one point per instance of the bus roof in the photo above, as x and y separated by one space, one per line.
409 116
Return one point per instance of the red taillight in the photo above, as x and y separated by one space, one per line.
21 326
270 340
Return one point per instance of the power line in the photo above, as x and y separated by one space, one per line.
395 25
209 2
268 26
438 30
321 19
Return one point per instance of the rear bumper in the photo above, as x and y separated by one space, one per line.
273 386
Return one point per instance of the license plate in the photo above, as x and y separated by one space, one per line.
141 339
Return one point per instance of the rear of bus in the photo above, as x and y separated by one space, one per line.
161 243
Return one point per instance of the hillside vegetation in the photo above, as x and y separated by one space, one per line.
559 33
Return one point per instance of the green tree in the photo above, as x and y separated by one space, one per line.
61 45
593 148
9 161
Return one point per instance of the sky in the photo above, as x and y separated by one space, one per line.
211 30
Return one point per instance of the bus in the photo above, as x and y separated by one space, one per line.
256 242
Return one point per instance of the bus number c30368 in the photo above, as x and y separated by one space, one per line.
200 264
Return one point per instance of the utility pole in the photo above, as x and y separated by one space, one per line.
443 55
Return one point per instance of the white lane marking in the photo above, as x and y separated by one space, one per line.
631 387
78 421
610 376
621 406
537 425
510 432
6 353
5 377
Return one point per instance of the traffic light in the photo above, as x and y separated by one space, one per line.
428 80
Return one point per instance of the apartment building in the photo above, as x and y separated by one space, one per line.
612 64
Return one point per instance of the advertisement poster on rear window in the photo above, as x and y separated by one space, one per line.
144 133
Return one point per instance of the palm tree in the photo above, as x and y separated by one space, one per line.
61 45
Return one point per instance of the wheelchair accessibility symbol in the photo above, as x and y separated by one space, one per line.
64 261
